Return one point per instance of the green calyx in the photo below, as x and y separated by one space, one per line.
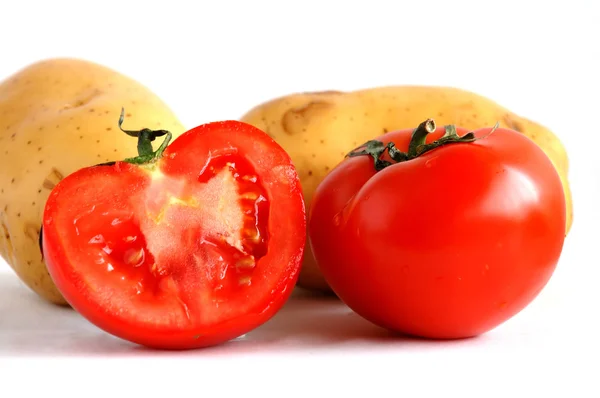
146 154
416 147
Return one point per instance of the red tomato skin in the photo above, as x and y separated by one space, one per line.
447 245
99 298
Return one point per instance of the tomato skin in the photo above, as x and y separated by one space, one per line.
179 304
447 245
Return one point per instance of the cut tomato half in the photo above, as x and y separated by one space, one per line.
186 248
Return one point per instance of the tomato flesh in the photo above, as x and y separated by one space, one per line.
171 255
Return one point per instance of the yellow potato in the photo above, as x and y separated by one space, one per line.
57 116
318 129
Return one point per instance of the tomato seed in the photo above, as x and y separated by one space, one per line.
245 281
135 257
245 263
252 234
250 195
96 239
167 284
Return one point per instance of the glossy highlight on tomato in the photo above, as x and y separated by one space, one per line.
439 232
186 248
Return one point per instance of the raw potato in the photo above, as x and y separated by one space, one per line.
57 116
318 129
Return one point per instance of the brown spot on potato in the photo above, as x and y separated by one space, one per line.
32 231
85 99
322 141
77 128
513 124
310 172
294 119
385 130
92 110
440 114
7 239
129 114
324 92
52 179
29 142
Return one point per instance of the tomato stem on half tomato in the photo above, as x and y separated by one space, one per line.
146 153
416 147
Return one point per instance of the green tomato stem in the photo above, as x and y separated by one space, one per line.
146 153
416 147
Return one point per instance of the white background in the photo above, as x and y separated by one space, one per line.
215 60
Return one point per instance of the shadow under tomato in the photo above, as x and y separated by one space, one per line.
31 327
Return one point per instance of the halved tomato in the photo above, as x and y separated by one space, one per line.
188 246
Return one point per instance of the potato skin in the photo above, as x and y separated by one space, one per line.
57 116
319 128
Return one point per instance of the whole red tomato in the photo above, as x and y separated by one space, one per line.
189 246
439 239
